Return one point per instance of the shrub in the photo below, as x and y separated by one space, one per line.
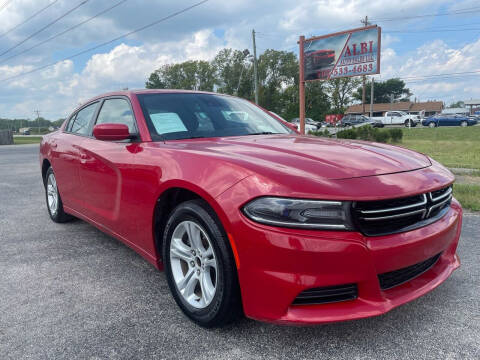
323 133
396 134
347 134
366 132
381 136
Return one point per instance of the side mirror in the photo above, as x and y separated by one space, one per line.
111 132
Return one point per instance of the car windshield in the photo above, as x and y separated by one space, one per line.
175 116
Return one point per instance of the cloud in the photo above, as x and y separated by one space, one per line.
433 58
197 34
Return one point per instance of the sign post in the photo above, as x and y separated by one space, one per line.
301 86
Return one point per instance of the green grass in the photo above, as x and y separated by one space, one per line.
451 146
27 140
468 195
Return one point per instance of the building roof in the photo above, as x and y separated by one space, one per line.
456 111
428 106
472 102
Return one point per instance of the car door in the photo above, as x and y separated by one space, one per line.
389 118
66 156
107 169
458 119
445 120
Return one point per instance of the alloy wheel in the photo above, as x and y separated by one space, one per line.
52 194
193 264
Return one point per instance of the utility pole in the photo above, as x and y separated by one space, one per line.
371 97
38 120
255 72
301 85
364 78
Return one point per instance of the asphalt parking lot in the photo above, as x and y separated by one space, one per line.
69 291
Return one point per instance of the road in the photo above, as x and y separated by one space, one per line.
70 292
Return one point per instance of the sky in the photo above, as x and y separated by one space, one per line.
415 44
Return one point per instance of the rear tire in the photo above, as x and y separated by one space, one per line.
200 266
54 200
463 124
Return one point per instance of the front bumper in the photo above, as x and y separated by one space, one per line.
275 265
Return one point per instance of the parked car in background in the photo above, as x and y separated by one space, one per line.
449 120
308 127
399 118
248 218
359 120
285 122
310 124
309 121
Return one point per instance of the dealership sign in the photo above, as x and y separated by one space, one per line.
347 53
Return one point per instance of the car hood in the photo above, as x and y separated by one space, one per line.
308 156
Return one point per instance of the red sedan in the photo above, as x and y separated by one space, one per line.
246 216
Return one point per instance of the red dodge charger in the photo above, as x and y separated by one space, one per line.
247 216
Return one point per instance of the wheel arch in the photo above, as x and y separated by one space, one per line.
45 165
173 194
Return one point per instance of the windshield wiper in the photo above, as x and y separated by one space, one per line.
263 133
192 137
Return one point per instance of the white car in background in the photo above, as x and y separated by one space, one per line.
398 118
296 122
310 124
308 127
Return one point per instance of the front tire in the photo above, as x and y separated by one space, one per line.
431 124
54 200
199 265
409 123
463 124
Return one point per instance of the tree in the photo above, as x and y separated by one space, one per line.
458 104
277 71
188 75
384 90
340 92
234 72
317 104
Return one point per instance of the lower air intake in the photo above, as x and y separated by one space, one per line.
394 278
323 295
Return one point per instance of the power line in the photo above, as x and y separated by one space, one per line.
441 75
428 31
5 4
63 32
108 42
28 19
455 12
45 27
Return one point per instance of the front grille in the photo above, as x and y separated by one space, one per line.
328 294
375 218
390 279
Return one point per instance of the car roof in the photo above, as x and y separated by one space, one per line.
130 92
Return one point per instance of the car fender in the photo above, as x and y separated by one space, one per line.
202 193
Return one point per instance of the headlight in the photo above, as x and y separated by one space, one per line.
299 213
